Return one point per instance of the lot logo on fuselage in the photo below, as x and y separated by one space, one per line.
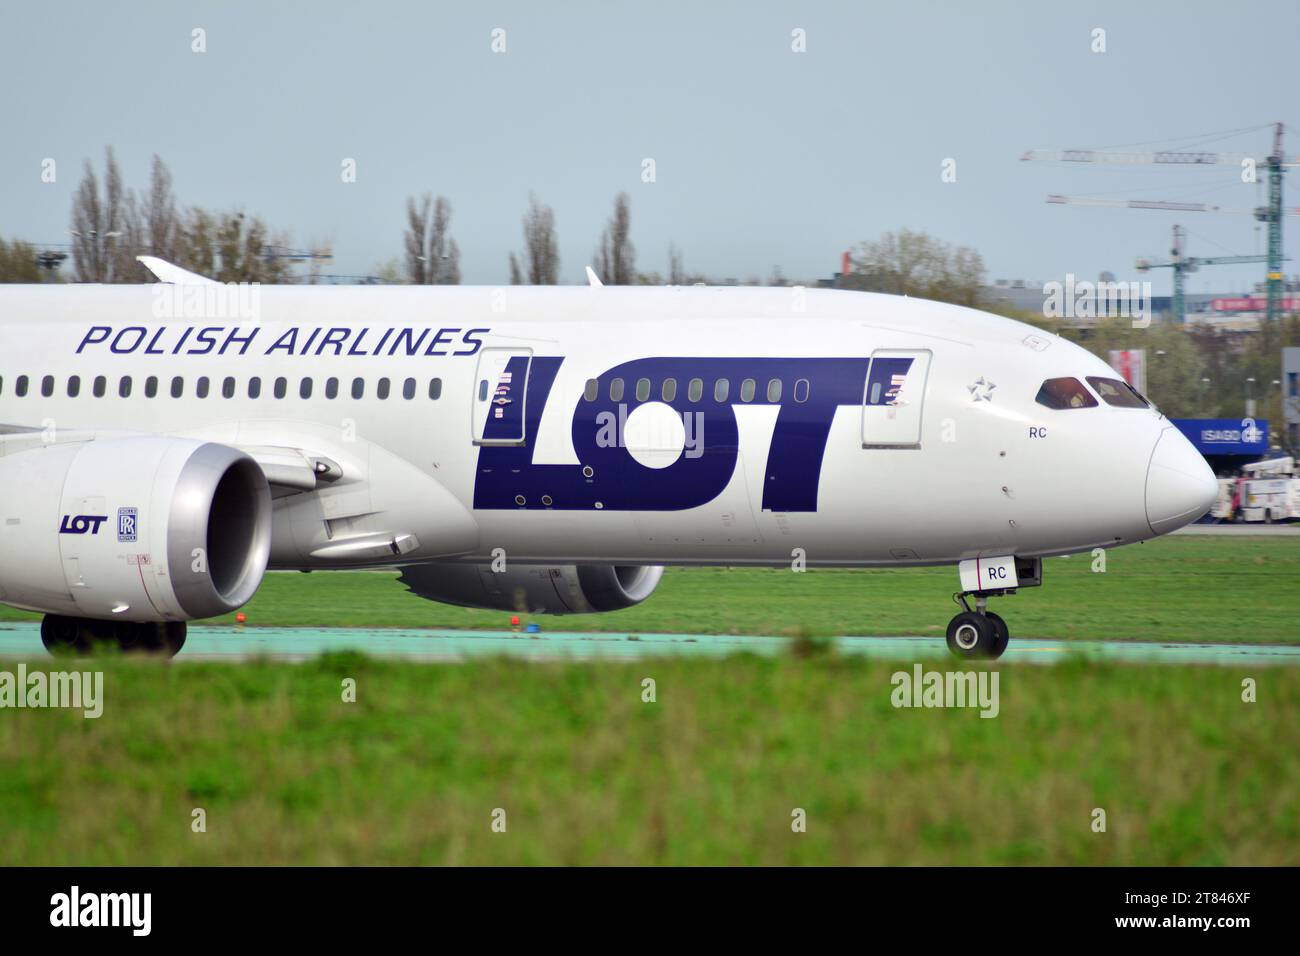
608 477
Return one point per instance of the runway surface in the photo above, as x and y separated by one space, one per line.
292 643
1253 530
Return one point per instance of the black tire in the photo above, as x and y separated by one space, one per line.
165 639
64 635
79 635
1002 633
972 636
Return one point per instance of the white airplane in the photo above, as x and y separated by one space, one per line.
546 449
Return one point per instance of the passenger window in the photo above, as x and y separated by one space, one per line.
74 386
331 388
482 390
642 389
801 390
123 386
669 391
1117 392
408 389
228 388
358 387
381 390
178 386
100 386
201 387
747 390
151 386
281 387
435 389
1065 393
592 390
774 390
20 386
720 389
304 388
616 390
47 386
2 384
254 387
695 390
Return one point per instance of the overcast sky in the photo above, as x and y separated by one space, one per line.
763 156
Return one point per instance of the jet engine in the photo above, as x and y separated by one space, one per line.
535 588
148 529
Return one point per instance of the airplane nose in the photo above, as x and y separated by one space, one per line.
1180 485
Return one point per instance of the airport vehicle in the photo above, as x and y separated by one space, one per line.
1268 491
547 449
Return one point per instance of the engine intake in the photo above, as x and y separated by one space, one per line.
146 529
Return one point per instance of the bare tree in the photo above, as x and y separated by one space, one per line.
107 227
161 221
247 251
432 256
196 242
96 221
540 246
676 268
616 256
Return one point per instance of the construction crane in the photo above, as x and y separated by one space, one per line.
1271 214
1258 211
1181 265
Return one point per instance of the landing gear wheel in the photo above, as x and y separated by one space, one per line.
973 636
1002 634
64 635
77 635
166 639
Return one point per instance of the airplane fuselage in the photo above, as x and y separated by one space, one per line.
612 425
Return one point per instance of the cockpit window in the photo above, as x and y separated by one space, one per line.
1115 391
1065 393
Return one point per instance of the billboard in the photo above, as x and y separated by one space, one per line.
1251 303
1291 385
1225 436
1132 365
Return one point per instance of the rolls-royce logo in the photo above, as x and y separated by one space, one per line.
127 524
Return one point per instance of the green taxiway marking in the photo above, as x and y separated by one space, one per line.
234 643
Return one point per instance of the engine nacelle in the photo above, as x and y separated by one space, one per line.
535 588
135 529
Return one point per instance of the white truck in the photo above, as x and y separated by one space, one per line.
1268 491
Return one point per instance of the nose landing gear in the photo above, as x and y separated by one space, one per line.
978 634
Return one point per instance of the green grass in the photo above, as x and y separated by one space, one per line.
1185 588
709 773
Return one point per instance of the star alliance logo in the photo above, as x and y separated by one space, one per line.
982 390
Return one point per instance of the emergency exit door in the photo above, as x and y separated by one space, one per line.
500 388
894 401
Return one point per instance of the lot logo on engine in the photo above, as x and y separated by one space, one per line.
81 524
126 524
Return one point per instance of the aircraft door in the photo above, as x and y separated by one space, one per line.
499 391
894 399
